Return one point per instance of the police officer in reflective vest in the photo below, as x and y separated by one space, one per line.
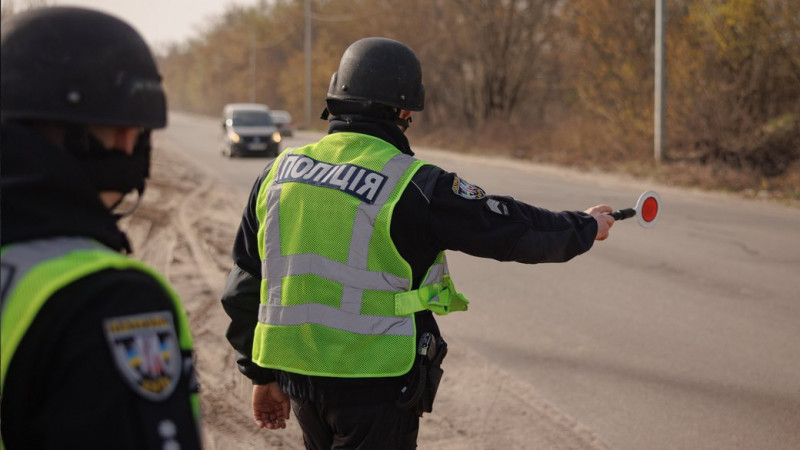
96 349
340 265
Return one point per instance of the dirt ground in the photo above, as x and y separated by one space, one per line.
185 227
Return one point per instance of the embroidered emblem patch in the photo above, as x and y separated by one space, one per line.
146 352
464 189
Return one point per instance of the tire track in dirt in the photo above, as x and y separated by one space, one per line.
185 227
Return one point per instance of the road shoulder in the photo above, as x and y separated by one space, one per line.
185 227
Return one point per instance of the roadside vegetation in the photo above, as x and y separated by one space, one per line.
566 82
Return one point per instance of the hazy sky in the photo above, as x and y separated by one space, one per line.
159 21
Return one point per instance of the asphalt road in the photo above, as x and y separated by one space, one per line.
682 336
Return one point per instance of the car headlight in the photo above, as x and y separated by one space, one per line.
233 136
276 136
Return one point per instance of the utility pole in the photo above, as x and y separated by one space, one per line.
308 61
659 135
252 67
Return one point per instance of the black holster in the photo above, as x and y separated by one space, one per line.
423 380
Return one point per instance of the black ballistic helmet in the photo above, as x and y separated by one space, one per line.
81 66
379 71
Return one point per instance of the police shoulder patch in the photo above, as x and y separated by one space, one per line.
146 352
466 190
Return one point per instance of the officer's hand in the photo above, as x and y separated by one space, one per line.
271 406
602 214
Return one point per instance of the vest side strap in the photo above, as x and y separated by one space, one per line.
440 298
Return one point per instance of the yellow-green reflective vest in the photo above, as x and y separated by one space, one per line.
33 271
336 296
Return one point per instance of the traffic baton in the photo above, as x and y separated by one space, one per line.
646 210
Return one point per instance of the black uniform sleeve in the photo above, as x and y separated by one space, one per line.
66 389
464 218
240 298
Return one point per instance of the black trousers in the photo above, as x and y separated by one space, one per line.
381 426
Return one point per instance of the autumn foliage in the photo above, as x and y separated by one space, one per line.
564 81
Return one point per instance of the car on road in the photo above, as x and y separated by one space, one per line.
284 122
248 130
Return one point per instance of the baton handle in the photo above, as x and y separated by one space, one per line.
623 214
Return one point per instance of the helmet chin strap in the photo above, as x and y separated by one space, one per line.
111 169
121 214
403 123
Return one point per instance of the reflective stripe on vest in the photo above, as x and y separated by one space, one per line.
33 271
354 273
356 280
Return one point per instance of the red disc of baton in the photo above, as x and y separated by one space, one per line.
647 209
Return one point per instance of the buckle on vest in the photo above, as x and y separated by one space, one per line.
440 298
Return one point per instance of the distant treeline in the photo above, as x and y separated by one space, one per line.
556 80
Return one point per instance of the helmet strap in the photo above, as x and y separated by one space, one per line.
110 169
402 123
120 214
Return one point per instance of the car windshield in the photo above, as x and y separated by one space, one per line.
252 119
